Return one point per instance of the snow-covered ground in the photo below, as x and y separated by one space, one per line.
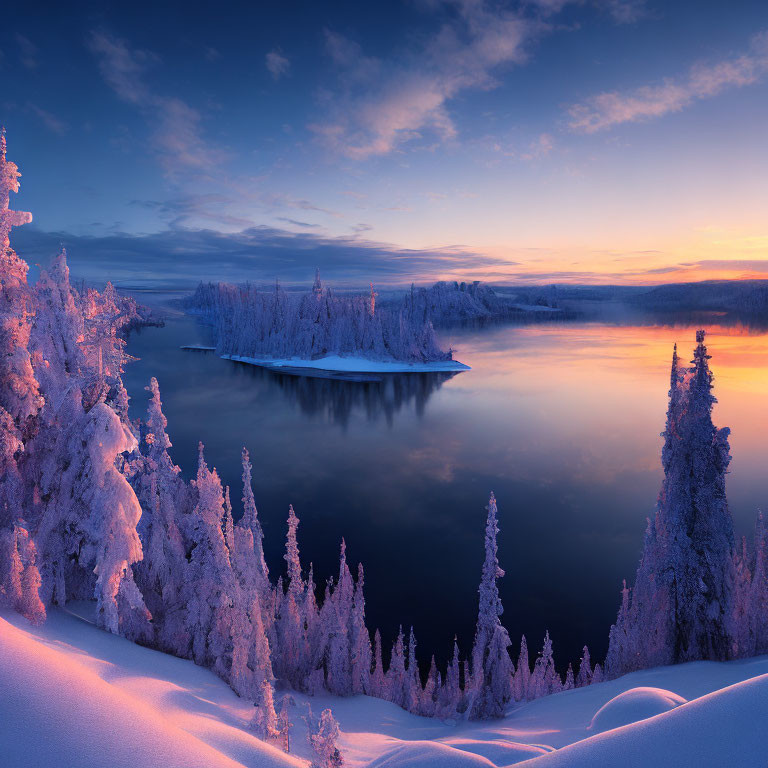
351 364
74 696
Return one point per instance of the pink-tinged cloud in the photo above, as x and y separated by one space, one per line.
382 105
277 64
702 81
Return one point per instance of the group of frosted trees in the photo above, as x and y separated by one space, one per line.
93 507
249 322
696 595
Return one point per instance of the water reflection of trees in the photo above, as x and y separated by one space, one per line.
338 400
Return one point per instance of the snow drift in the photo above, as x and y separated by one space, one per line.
74 696
632 706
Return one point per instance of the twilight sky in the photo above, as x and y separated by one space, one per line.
547 140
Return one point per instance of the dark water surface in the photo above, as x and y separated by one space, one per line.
561 422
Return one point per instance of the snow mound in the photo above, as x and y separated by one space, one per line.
428 754
633 705
498 751
105 701
724 728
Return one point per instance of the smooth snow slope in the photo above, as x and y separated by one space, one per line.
73 696
724 728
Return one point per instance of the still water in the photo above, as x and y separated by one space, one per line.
561 422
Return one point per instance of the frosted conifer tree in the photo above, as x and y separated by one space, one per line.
249 548
492 668
19 577
758 593
163 572
521 683
228 523
264 720
584 677
396 683
211 587
413 690
450 696
19 392
114 515
428 703
360 650
545 679
681 608
569 683
292 658
742 590
377 676
323 737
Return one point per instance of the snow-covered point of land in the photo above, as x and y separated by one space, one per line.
351 364
73 695
534 308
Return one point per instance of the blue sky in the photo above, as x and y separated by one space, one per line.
611 140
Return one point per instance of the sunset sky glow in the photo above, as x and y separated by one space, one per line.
609 141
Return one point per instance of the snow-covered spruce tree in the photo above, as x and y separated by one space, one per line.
292 653
569 683
264 719
163 495
19 577
313 627
757 603
413 689
450 699
248 555
377 676
428 702
323 735
521 682
584 676
742 591
681 608
20 402
544 679
360 640
337 622
19 391
395 680
210 592
492 669
57 336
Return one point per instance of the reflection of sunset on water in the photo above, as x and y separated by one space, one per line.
596 395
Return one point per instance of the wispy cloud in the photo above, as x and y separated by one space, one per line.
541 146
28 52
622 11
277 64
381 105
175 125
703 81
51 122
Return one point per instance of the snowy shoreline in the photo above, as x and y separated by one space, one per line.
336 363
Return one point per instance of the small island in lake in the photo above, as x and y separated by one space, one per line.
320 330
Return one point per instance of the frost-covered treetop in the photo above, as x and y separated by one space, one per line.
9 182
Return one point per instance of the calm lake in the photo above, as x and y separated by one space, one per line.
561 422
